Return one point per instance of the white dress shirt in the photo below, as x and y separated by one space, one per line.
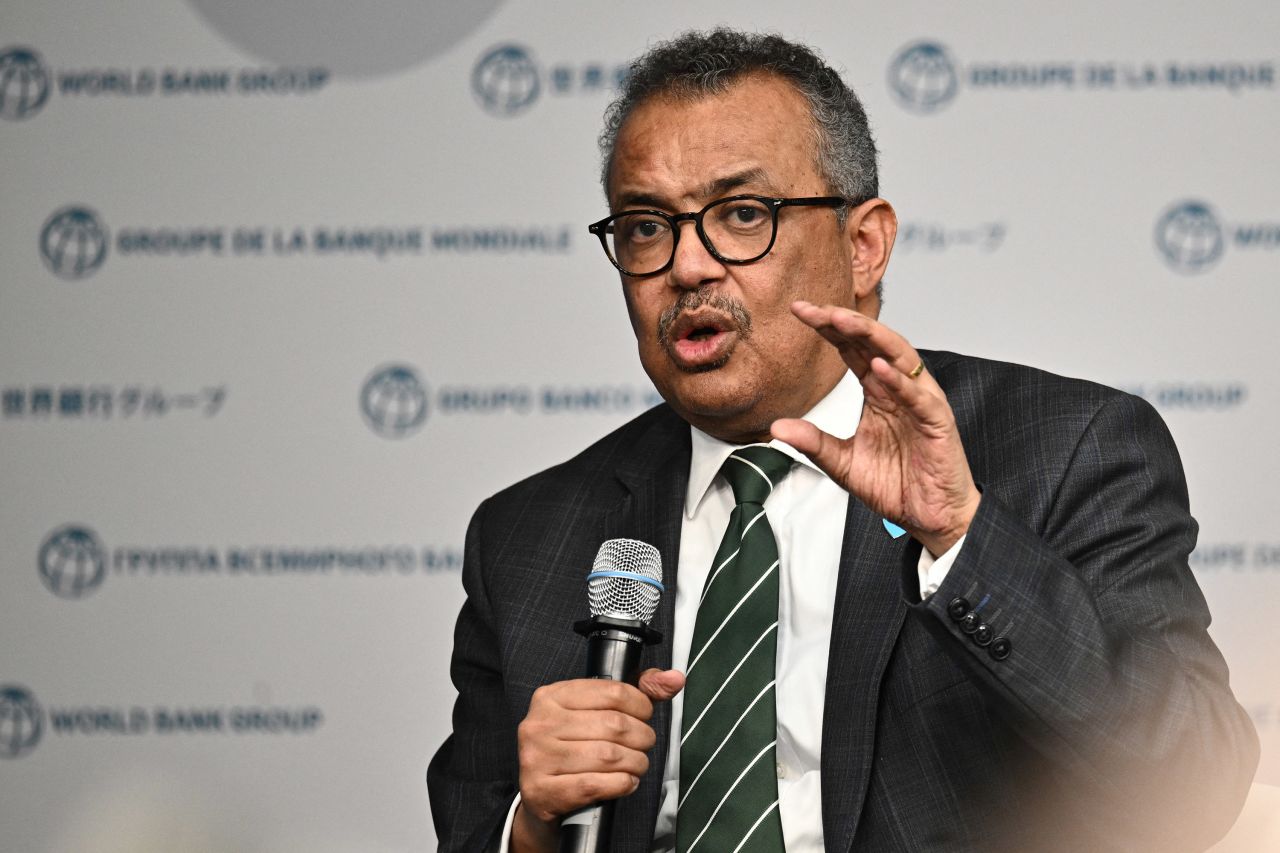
807 514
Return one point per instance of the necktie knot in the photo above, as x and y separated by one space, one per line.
753 471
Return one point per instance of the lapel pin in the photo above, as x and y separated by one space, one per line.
894 530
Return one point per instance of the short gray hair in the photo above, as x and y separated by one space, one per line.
696 64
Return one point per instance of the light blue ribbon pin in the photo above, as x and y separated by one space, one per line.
894 530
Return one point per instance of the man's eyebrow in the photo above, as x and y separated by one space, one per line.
629 200
711 190
721 186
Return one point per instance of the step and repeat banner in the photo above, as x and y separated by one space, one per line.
286 289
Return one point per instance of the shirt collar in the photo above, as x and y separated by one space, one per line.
837 413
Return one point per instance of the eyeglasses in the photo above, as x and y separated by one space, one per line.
740 229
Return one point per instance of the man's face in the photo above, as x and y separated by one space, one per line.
718 340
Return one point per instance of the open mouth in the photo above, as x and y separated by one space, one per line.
697 325
700 340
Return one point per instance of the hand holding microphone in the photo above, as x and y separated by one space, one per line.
583 741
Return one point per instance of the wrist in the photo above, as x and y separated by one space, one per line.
531 835
940 542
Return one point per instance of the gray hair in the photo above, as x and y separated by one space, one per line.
696 64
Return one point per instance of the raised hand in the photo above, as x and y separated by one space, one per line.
905 461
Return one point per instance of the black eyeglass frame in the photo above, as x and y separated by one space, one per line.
601 228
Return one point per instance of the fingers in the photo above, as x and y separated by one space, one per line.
858 337
550 798
585 740
586 694
883 361
911 396
593 709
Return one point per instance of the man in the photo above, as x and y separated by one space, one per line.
1029 669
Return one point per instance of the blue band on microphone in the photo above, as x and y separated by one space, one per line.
630 576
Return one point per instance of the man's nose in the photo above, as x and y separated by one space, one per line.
693 265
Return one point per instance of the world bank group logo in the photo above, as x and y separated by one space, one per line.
24 83
72 562
1189 236
505 81
21 721
394 401
922 77
73 242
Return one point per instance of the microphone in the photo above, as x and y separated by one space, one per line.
623 588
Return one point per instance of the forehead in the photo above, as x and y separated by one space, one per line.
688 150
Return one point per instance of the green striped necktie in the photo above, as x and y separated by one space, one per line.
728 764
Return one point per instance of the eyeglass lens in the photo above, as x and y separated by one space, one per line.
739 229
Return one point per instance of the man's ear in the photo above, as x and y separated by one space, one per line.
871 228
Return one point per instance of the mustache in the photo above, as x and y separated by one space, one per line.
691 300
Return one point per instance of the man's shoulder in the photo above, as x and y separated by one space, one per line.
1011 416
986 385
650 439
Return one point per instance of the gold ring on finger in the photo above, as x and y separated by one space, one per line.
916 371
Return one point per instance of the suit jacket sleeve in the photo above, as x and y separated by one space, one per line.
1110 672
470 779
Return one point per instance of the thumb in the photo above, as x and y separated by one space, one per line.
661 684
824 449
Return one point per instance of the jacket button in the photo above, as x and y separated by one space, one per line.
971 622
957 608
983 635
1000 648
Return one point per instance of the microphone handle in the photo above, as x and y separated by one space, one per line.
613 652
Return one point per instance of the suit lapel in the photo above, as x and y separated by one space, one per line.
868 615
655 475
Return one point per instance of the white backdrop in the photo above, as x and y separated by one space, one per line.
287 289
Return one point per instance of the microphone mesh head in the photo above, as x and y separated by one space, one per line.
626 580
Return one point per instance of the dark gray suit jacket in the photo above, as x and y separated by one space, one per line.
1109 726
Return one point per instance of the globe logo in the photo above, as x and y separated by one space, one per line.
505 80
73 242
394 401
922 76
1189 237
24 84
20 721
71 562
